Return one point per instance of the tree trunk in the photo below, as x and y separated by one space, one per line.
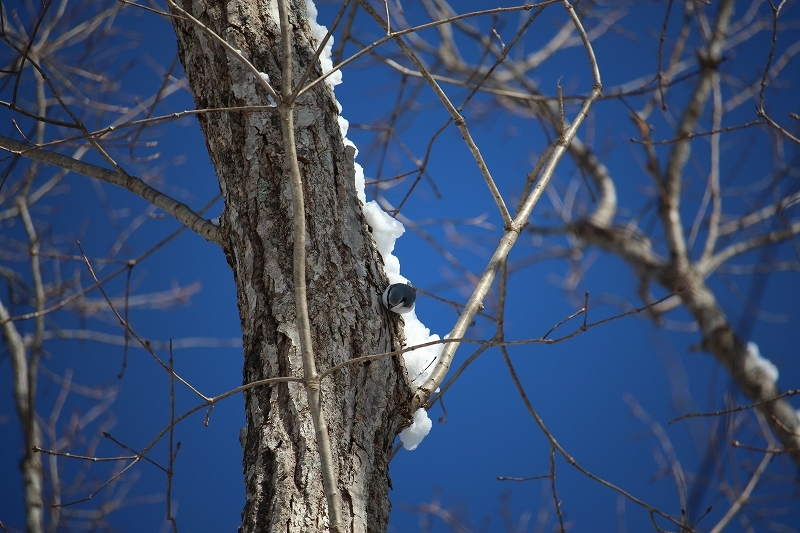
365 404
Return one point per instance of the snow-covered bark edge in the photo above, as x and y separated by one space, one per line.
385 230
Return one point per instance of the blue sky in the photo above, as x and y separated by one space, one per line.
582 388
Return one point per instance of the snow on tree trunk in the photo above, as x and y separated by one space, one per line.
365 404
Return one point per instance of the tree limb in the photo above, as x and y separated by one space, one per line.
31 464
179 210
513 231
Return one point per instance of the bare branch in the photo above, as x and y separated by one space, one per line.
119 340
179 210
569 458
31 464
775 13
759 216
454 114
735 409
513 231
670 200
743 498
128 328
713 262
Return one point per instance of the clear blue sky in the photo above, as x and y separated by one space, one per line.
579 387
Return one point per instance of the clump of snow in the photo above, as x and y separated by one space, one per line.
319 32
755 363
386 230
420 362
344 125
413 435
360 184
270 99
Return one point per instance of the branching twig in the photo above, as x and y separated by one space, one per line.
554 443
735 409
744 496
128 328
455 115
513 231
775 13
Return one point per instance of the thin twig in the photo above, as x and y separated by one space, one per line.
554 443
455 115
126 326
745 495
775 12
735 409
311 378
513 231
173 450
493 342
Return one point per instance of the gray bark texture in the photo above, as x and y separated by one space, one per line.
366 404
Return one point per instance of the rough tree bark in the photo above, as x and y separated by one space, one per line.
366 404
